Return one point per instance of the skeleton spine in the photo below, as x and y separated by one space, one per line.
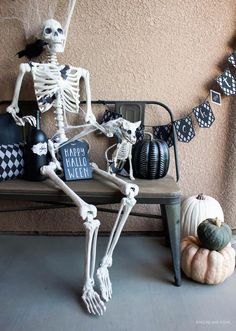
52 58
59 115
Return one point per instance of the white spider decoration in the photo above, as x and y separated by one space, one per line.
57 86
125 133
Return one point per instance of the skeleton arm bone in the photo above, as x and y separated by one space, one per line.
88 128
89 117
13 109
23 69
131 175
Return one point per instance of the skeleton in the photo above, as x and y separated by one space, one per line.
125 133
58 86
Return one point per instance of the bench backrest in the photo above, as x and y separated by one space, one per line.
131 110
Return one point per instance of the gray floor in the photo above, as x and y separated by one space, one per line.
41 277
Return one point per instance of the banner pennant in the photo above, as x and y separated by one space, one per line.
215 97
204 115
164 132
184 129
232 59
227 83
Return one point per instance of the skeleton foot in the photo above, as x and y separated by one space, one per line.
105 283
93 301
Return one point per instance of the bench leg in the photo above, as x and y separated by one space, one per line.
173 221
165 226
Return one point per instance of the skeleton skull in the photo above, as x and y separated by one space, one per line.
53 35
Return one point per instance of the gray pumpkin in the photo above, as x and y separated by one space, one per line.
214 234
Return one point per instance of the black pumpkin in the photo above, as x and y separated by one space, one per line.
214 234
150 158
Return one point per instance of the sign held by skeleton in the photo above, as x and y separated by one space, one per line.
75 160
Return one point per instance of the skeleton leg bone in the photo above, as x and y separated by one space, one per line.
124 187
88 213
91 298
127 203
102 272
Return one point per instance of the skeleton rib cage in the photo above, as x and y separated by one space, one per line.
57 85
124 151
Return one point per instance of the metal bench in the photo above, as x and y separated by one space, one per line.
164 192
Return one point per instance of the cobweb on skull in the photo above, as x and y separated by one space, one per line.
22 21
31 14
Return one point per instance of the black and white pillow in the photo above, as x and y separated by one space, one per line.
140 132
11 161
109 115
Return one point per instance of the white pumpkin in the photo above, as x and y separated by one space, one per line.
196 209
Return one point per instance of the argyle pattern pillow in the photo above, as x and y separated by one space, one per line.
109 115
11 161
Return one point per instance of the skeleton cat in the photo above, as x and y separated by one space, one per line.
125 133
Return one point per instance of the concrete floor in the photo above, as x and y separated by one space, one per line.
41 279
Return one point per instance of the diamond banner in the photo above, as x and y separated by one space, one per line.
184 129
164 132
215 97
204 115
232 59
227 83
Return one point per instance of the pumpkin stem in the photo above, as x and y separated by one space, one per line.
200 196
149 134
217 222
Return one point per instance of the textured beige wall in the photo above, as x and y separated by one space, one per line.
144 49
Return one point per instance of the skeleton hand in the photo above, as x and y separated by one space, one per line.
107 129
25 119
56 165
13 110
53 156
108 132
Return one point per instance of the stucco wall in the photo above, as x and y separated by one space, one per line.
143 49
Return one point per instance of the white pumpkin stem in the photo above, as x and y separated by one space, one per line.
200 196
218 222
